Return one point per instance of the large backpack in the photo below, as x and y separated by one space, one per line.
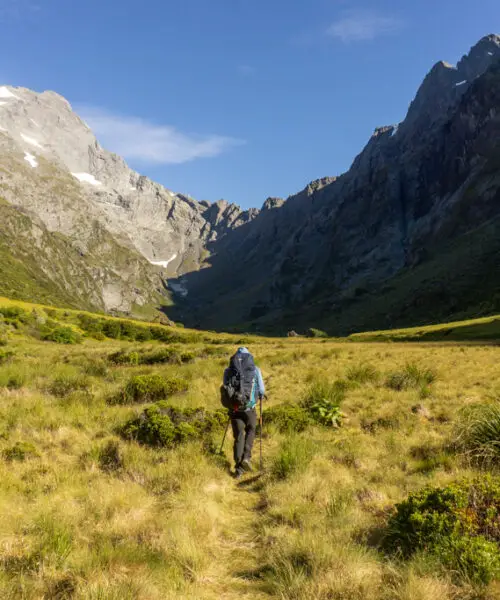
237 394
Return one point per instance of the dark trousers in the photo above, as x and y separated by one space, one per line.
244 427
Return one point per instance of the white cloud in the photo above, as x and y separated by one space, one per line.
148 143
363 25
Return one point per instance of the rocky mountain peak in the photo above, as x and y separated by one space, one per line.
445 84
271 203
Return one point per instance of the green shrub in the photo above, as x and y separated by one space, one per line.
188 357
13 378
124 357
412 376
95 367
150 388
458 524
62 335
288 418
157 357
362 374
162 356
64 385
112 329
12 312
293 457
316 333
5 356
93 327
322 401
478 432
20 451
164 426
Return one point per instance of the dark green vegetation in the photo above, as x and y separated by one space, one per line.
150 388
162 425
458 524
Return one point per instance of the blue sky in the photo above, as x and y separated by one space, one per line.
236 99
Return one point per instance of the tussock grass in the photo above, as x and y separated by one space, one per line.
478 432
90 514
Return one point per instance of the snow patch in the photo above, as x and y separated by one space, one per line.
132 188
34 122
395 130
2 103
31 159
86 178
490 53
5 93
31 141
163 263
461 83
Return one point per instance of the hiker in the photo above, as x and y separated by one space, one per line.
242 385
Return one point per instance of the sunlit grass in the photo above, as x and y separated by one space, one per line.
85 513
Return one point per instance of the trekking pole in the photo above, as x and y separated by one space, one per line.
260 422
225 434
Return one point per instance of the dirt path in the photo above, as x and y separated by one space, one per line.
239 549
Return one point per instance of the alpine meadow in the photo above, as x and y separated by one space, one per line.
206 401
377 457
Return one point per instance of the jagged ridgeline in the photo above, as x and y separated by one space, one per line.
407 236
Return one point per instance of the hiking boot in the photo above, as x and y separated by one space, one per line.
246 465
238 472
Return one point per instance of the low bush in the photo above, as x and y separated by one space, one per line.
164 426
91 326
322 401
151 388
13 377
62 335
64 385
124 357
12 312
412 376
458 524
293 457
362 374
478 432
6 356
316 333
95 367
20 452
110 457
163 356
288 418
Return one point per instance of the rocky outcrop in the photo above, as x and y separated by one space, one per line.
52 167
413 190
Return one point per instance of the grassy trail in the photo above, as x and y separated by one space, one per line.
239 550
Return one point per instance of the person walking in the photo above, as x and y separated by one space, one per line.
242 386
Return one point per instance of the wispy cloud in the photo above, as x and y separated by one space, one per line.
148 143
362 25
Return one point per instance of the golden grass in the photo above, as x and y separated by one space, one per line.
173 524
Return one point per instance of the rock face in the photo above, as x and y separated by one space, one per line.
391 241
53 168
408 235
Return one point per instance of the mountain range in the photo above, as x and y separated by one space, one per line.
409 235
